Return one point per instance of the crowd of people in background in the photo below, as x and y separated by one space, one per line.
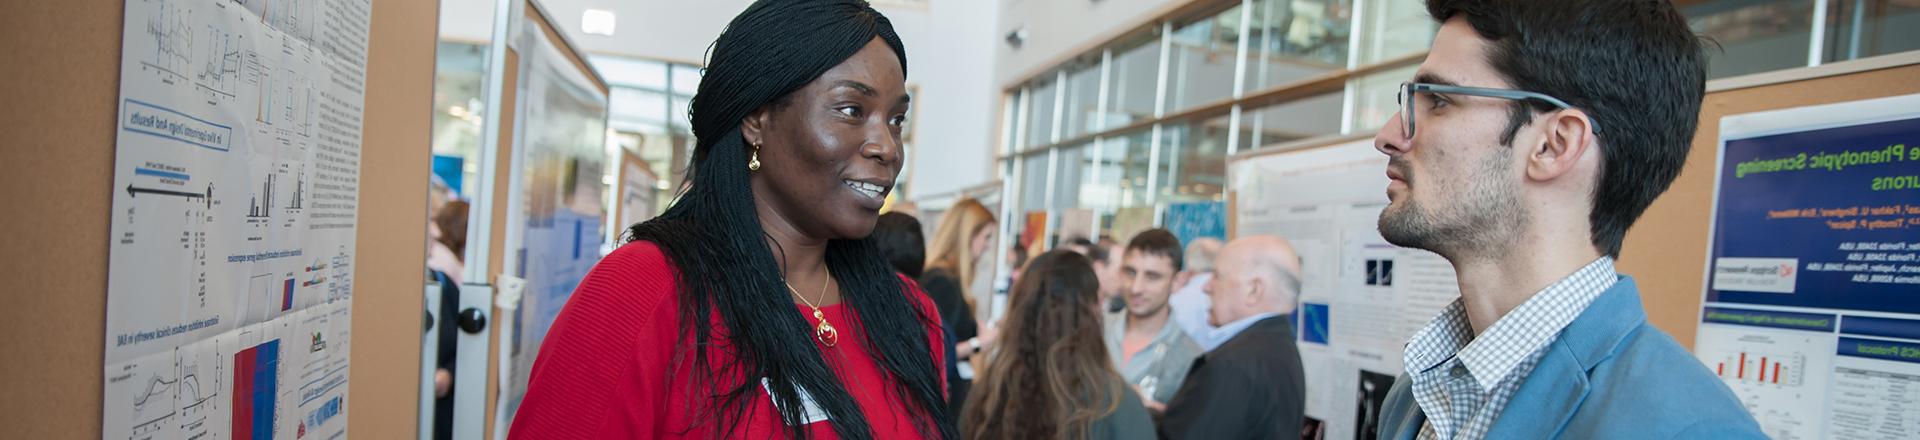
1104 341
772 299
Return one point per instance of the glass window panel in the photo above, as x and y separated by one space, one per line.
1291 121
1374 98
1040 120
631 109
631 72
1070 175
1009 123
1033 182
1393 28
1874 27
458 108
1753 36
1202 60
679 114
1193 160
1136 76
1126 156
1292 40
1082 115
686 79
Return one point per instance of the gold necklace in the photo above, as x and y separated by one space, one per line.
823 331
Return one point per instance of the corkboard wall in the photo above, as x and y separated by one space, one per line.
1666 251
61 85
389 269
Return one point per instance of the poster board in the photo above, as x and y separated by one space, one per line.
1361 298
229 312
1666 249
1819 335
555 194
56 253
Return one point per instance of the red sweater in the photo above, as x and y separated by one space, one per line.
603 370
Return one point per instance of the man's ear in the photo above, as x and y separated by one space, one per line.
1257 290
1568 137
1181 279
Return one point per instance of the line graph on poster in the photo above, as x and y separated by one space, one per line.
173 394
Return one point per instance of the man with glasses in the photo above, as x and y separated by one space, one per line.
1533 135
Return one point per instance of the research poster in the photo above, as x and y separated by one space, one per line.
236 183
1196 220
1362 298
1812 297
557 232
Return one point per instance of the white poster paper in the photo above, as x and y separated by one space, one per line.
236 179
1819 335
1362 298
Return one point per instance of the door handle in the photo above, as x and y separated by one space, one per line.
472 321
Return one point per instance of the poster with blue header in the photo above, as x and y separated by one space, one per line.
1811 310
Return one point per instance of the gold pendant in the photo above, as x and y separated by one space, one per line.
824 331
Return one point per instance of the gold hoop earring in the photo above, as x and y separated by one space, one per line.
754 164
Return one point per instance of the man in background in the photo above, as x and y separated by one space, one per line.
1152 352
1190 302
1106 265
1252 386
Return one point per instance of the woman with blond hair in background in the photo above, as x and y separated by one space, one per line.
965 233
1051 378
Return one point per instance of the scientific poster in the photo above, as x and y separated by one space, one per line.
1812 308
1128 222
1194 220
557 234
1362 298
236 180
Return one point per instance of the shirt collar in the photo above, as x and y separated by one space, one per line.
1232 329
1490 357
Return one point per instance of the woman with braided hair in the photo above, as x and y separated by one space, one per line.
755 307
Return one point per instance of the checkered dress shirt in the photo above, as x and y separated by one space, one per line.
1462 381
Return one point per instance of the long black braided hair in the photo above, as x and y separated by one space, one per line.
713 235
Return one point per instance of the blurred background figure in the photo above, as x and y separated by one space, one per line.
1105 265
1190 302
1051 378
899 237
1252 386
965 234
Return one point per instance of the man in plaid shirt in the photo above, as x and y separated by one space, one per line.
1531 138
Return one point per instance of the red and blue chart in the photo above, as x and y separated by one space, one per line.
256 376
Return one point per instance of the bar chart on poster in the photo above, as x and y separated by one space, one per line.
236 185
1812 300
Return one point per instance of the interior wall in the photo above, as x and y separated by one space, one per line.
61 154
1050 38
958 106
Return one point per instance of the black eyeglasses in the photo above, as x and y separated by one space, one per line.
1408 89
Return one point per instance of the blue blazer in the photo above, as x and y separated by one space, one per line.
1609 375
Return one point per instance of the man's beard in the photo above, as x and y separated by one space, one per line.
1488 213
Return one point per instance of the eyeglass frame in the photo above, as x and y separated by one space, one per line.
1410 87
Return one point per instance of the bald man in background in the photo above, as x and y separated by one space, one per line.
1252 386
